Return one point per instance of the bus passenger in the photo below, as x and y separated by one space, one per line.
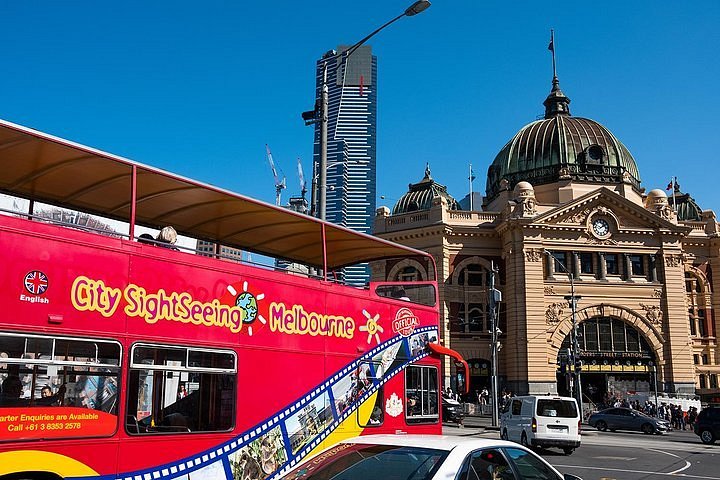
167 237
146 238
12 389
47 398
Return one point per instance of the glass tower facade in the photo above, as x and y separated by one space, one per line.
352 119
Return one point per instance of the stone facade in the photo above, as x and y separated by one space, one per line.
637 269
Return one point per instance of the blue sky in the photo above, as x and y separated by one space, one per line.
199 88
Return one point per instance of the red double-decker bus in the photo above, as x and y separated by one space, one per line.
122 358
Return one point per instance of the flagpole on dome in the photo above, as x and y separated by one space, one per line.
556 102
471 178
673 185
551 47
675 189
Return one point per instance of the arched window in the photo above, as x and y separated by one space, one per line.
408 274
605 334
473 275
472 318
696 301
407 271
468 297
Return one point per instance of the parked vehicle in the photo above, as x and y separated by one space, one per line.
426 457
621 418
542 421
452 410
707 425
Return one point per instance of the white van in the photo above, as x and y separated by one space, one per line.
542 421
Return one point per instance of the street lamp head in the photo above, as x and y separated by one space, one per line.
417 7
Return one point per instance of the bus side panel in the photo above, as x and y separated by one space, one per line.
298 341
72 282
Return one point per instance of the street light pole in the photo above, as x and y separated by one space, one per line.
495 297
574 356
322 191
314 186
322 115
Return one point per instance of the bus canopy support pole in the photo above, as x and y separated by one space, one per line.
133 201
324 250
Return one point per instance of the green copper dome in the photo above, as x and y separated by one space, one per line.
420 196
687 209
561 147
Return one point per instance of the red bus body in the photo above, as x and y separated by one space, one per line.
298 363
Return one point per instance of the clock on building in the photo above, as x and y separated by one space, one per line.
600 227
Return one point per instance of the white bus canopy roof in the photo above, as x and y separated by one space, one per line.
48 169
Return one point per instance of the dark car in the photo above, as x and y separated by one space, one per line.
627 419
707 425
452 411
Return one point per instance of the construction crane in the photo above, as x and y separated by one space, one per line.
303 186
279 183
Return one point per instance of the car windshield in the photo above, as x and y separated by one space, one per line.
363 462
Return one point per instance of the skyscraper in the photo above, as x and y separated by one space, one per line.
352 117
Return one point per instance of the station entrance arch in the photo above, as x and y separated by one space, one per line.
617 360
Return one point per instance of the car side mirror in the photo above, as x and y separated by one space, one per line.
568 476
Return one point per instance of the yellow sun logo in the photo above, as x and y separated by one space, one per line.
371 327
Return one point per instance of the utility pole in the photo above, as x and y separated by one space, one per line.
575 361
495 296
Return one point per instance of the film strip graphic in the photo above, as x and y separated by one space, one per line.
293 432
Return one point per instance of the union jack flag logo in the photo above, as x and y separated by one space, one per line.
36 282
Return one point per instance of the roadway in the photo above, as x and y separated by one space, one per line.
622 455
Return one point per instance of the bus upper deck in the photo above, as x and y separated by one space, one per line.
43 168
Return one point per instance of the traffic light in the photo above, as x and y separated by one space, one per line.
563 366
578 366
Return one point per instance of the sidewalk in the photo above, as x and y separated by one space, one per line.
476 422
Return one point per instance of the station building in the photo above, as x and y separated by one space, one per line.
564 213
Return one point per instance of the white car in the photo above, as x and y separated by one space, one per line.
425 457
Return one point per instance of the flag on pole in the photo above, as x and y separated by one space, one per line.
551 45
670 185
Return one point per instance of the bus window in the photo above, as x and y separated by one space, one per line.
421 394
65 377
423 294
174 389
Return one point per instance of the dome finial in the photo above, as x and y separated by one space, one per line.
427 171
556 103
